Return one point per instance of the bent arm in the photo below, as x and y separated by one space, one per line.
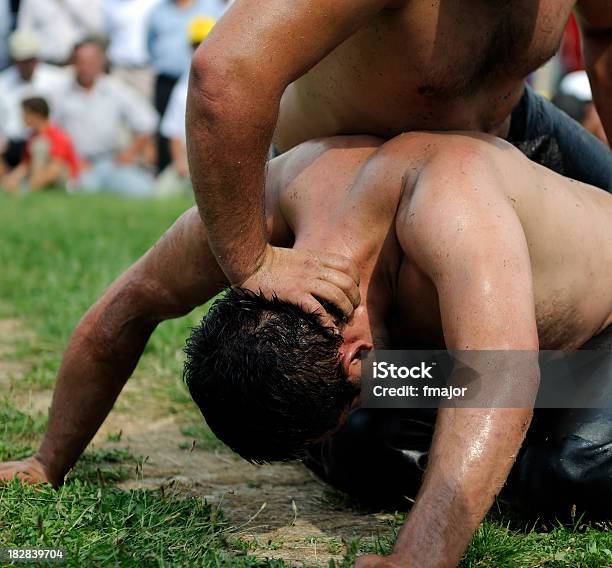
237 79
176 275
595 18
471 245
45 176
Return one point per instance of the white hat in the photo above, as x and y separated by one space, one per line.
24 45
577 84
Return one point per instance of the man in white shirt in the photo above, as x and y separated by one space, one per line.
175 177
60 24
96 111
27 77
125 24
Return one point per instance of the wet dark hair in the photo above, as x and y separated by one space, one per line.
36 105
266 375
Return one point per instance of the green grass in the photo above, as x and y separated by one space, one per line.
57 254
109 527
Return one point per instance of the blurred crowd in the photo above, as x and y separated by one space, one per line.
93 92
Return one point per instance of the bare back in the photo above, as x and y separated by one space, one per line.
425 65
344 194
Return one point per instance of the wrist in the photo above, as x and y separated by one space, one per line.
46 472
242 271
399 560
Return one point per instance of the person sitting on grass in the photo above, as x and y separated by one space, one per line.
446 235
49 159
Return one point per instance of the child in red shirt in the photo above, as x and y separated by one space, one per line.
49 159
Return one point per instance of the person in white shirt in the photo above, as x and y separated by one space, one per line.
170 52
125 25
576 86
96 111
60 24
175 177
27 77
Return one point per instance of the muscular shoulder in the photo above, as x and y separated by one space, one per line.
315 176
454 194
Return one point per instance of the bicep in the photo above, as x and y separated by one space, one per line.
477 257
273 42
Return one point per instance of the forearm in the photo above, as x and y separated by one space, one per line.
598 59
179 156
100 358
44 177
471 456
227 144
15 177
137 147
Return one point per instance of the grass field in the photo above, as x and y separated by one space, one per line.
57 253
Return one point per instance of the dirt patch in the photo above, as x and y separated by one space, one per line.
274 511
12 369
277 511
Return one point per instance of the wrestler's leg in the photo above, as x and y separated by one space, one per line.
379 456
548 136
567 458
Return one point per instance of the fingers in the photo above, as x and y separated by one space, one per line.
341 263
344 282
375 561
324 290
312 305
24 471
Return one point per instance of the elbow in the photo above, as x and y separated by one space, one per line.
215 83
224 88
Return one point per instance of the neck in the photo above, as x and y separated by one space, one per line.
40 126
368 321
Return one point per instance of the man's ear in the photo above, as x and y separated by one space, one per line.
351 356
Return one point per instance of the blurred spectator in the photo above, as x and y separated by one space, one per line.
571 47
5 29
60 24
49 160
28 77
575 98
170 52
14 11
126 27
175 177
96 109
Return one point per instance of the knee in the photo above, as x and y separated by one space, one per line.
582 463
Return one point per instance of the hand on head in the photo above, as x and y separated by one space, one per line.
306 277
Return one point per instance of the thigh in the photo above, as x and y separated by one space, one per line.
548 136
566 460
379 456
40 153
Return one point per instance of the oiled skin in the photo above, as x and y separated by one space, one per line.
448 234
293 71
